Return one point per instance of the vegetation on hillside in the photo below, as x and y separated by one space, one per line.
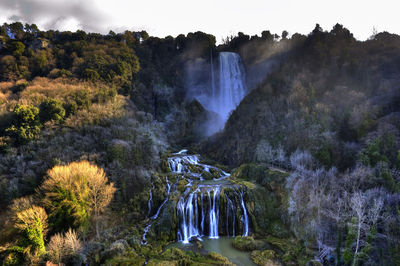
87 120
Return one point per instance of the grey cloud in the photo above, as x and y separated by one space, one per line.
52 14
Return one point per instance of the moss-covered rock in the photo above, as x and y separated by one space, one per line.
264 258
290 251
176 256
250 172
219 258
247 243
165 226
266 198
182 185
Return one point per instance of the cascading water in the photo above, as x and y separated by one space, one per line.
155 216
150 200
199 209
209 207
225 89
244 217
232 87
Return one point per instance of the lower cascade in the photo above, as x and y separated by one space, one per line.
210 205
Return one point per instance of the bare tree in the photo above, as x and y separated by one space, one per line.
358 203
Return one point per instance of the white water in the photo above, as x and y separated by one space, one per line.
155 216
214 213
232 87
198 208
149 202
244 217
228 88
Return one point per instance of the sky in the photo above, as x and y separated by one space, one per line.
221 18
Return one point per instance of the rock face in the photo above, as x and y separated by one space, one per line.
267 200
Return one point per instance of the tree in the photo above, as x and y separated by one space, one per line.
75 194
366 214
64 247
51 109
16 48
26 125
266 35
285 35
31 222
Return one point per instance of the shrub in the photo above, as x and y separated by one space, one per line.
75 193
26 125
51 109
105 94
82 99
91 74
31 222
58 73
64 248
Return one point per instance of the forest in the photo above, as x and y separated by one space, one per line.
90 125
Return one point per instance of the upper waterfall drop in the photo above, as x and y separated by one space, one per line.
219 86
232 88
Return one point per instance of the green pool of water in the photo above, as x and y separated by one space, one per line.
222 245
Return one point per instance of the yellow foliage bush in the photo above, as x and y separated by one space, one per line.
75 193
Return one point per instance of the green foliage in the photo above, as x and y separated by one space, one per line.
51 109
371 155
57 73
398 159
389 181
323 155
16 256
16 48
82 99
75 194
90 74
105 94
32 224
348 249
26 126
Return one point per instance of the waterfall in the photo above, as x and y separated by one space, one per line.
199 209
244 217
214 211
212 81
207 207
223 92
150 199
155 216
232 87
230 213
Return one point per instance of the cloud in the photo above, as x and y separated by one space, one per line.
57 14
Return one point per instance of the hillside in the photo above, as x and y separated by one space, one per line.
305 172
